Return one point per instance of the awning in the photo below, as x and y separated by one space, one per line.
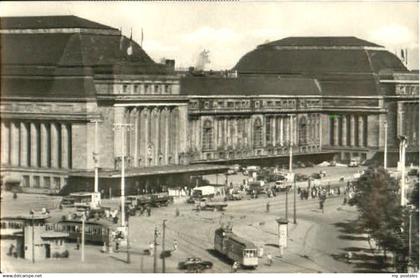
154 170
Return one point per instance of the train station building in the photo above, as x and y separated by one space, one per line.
69 84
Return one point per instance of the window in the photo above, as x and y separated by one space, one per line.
207 135
269 103
25 181
167 89
146 88
47 182
125 88
36 182
157 89
230 104
136 88
302 131
220 104
206 105
257 104
258 139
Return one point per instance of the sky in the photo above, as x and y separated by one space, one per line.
181 30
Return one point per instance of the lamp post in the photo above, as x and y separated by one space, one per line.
122 127
386 143
96 158
403 146
163 246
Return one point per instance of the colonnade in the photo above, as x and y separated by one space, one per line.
36 144
154 135
348 130
257 131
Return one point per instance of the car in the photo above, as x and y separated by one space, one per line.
195 264
316 176
235 196
332 164
300 164
301 177
413 172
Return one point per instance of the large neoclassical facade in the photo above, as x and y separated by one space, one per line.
76 94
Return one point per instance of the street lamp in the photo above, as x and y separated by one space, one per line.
291 143
386 143
403 146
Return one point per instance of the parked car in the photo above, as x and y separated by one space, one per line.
301 177
235 196
332 163
194 264
316 176
354 162
413 172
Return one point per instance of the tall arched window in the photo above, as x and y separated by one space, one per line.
207 135
258 134
302 131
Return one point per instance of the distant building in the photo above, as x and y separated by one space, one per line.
60 74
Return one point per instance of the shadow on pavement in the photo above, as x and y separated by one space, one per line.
363 260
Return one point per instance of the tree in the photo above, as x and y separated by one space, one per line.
378 201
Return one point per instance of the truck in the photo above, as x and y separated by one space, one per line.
204 191
354 162
205 204
82 200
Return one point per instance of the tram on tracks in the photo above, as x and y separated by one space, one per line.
235 248
95 232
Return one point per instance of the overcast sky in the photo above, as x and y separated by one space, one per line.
180 30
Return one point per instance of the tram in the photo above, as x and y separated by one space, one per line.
95 232
235 248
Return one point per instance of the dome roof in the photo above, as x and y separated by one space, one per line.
318 56
342 65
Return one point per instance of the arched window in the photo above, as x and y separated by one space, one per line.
302 131
207 135
258 134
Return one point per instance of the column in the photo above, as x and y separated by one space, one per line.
166 114
24 140
281 131
352 130
273 128
286 130
65 148
361 131
335 131
344 130
5 143
44 145
54 145
14 144
136 138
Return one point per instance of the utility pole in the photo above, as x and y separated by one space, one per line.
33 237
403 145
96 158
83 237
287 204
122 128
163 246
386 143
290 144
294 200
155 251
128 239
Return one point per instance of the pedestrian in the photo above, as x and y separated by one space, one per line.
235 266
269 259
78 243
151 248
175 245
14 195
176 212
149 211
117 245
338 191
267 207
349 257
11 250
